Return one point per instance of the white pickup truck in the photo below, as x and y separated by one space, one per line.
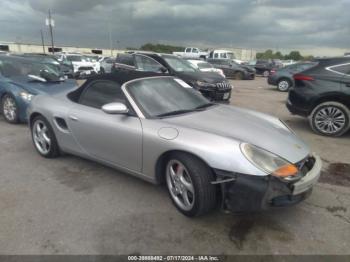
192 53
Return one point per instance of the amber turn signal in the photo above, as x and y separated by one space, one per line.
286 170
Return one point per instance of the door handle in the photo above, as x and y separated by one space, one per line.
74 118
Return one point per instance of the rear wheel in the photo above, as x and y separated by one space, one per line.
330 119
44 138
189 184
283 85
266 73
9 109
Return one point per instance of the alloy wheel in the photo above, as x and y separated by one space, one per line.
180 185
330 120
283 85
41 137
10 109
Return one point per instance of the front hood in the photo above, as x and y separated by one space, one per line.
208 77
247 126
36 87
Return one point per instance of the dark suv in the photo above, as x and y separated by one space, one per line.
264 66
233 70
322 93
212 85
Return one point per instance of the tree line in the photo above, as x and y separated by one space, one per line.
159 48
293 55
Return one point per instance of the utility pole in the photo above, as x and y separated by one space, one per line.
110 40
51 23
42 40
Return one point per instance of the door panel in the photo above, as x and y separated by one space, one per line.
116 139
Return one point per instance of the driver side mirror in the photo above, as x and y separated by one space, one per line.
163 70
115 108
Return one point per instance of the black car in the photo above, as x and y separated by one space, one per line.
264 66
232 69
322 93
283 77
65 66
212 85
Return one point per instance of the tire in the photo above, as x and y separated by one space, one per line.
238 76
9 109
266 73
283 85
41 138
322 119
195 173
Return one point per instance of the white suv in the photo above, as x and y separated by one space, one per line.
82 65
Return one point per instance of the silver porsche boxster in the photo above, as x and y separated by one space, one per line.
161 129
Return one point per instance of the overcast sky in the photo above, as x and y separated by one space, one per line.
318 27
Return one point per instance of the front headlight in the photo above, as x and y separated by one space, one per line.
204 84
269 162
26 96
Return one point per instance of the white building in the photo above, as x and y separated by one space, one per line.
35 48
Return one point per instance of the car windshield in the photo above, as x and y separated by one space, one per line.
166 96
204 65
22 67
179 65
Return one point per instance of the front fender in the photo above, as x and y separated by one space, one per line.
218 152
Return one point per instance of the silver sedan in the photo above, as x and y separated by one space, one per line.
160 129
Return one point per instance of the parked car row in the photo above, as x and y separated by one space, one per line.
212 85
83 66
158 127
196 53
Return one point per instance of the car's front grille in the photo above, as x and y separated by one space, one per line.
84 68
306 165
223 86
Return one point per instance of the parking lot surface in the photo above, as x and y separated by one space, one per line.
73 206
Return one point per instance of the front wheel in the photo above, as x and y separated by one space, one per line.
330 119
189 184
44 138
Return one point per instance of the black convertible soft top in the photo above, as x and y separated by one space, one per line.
119 77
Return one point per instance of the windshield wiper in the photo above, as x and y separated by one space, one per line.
176 112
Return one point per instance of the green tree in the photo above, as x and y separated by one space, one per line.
278 55
295 55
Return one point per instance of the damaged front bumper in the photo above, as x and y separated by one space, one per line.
247 193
